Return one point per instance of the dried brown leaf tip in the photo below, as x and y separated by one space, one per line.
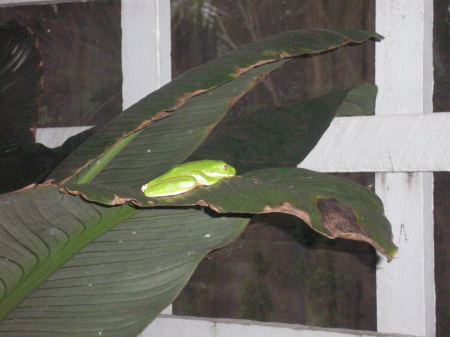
339 219
341 222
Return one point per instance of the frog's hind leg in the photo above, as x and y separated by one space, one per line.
171 186
203 179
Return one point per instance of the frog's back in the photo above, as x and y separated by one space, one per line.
203 172
193 167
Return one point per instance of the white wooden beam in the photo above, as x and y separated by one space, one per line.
34 2
146 63
145 47
405 288
177 326
54 137
404 59
384 143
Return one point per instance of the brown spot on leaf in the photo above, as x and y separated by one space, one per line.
339 218
240 71
187 96
157 117
284 55
286 207
233 100
115 201
28 187
120 201
65 190
341 222
207 204
46 183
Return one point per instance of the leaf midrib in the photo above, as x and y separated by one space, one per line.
43 269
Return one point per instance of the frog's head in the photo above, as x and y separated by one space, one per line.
221 169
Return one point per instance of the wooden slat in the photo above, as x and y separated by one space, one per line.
145 48
385 143
34 2
54 137
405 287
177 326
404 63
404 59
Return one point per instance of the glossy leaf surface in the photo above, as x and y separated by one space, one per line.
117 283
71 267
161 103
333 206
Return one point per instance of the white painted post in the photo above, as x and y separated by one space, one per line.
146 63
405 287
19 2
145 47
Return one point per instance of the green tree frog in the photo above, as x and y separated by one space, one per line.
187 176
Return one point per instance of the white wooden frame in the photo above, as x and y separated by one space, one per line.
403 143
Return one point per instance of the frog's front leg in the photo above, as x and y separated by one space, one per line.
169 186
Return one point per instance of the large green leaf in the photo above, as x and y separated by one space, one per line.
40 230
102 148
117 283
277 137
359 102
63 257
333 206
171 140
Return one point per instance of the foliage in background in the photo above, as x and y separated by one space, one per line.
22 161
80 47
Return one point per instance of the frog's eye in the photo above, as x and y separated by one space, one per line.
225 167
